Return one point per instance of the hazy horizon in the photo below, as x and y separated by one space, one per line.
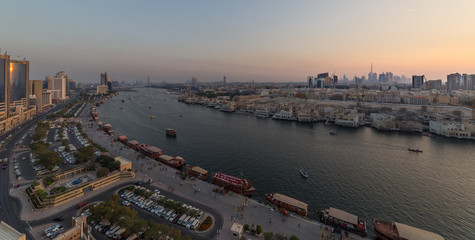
263 41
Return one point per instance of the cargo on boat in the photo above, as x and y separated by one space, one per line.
287 203
235 184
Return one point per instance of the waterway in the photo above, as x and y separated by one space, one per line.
363 171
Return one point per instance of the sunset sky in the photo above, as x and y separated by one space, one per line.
244 40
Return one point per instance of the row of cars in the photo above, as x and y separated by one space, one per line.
113 231
150 204
53 231
81 140
68 157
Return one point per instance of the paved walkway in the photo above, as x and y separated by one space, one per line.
229 205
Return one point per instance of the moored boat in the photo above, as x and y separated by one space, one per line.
303 173
122 139
342 220
388 230
235 184
150 151
152 117
287 203
176 162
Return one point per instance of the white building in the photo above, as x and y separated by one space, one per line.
59 84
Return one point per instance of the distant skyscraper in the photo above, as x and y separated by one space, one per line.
224 80
18 87
335 79
4 79
310 81
148 79
453 81
36 89
59 83
418 81
322 75
49 81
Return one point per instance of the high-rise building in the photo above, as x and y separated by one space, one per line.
335 79
49 81
72 84
59 83
224 80
469 81
310 81
418 81
36 90
453 81
434 84
4 79
18 86
322 75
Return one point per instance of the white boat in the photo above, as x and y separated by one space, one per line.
303 173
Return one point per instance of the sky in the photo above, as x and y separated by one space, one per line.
266 40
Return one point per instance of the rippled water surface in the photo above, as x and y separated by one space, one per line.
363 171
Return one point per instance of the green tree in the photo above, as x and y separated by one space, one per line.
293 237
101 172
258 229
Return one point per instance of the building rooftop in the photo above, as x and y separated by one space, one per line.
9 233
122 160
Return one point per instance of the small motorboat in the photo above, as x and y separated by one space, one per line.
303 173
170 132
152 117
332 133
414 150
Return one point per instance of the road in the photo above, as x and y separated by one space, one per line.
10 207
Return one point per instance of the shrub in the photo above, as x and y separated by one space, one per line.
205 224
258 229
48 180
101 172
293 237
35 183
59 189
268 236
246 227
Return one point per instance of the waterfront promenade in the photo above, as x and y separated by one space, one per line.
233 207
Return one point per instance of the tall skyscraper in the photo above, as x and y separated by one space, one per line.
310 81
224 80
4 79
322 75
36 90
18 86
418 81
453 81
14 85
59 83
49 81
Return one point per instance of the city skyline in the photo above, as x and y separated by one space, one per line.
282 42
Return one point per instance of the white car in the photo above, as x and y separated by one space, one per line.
126 203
